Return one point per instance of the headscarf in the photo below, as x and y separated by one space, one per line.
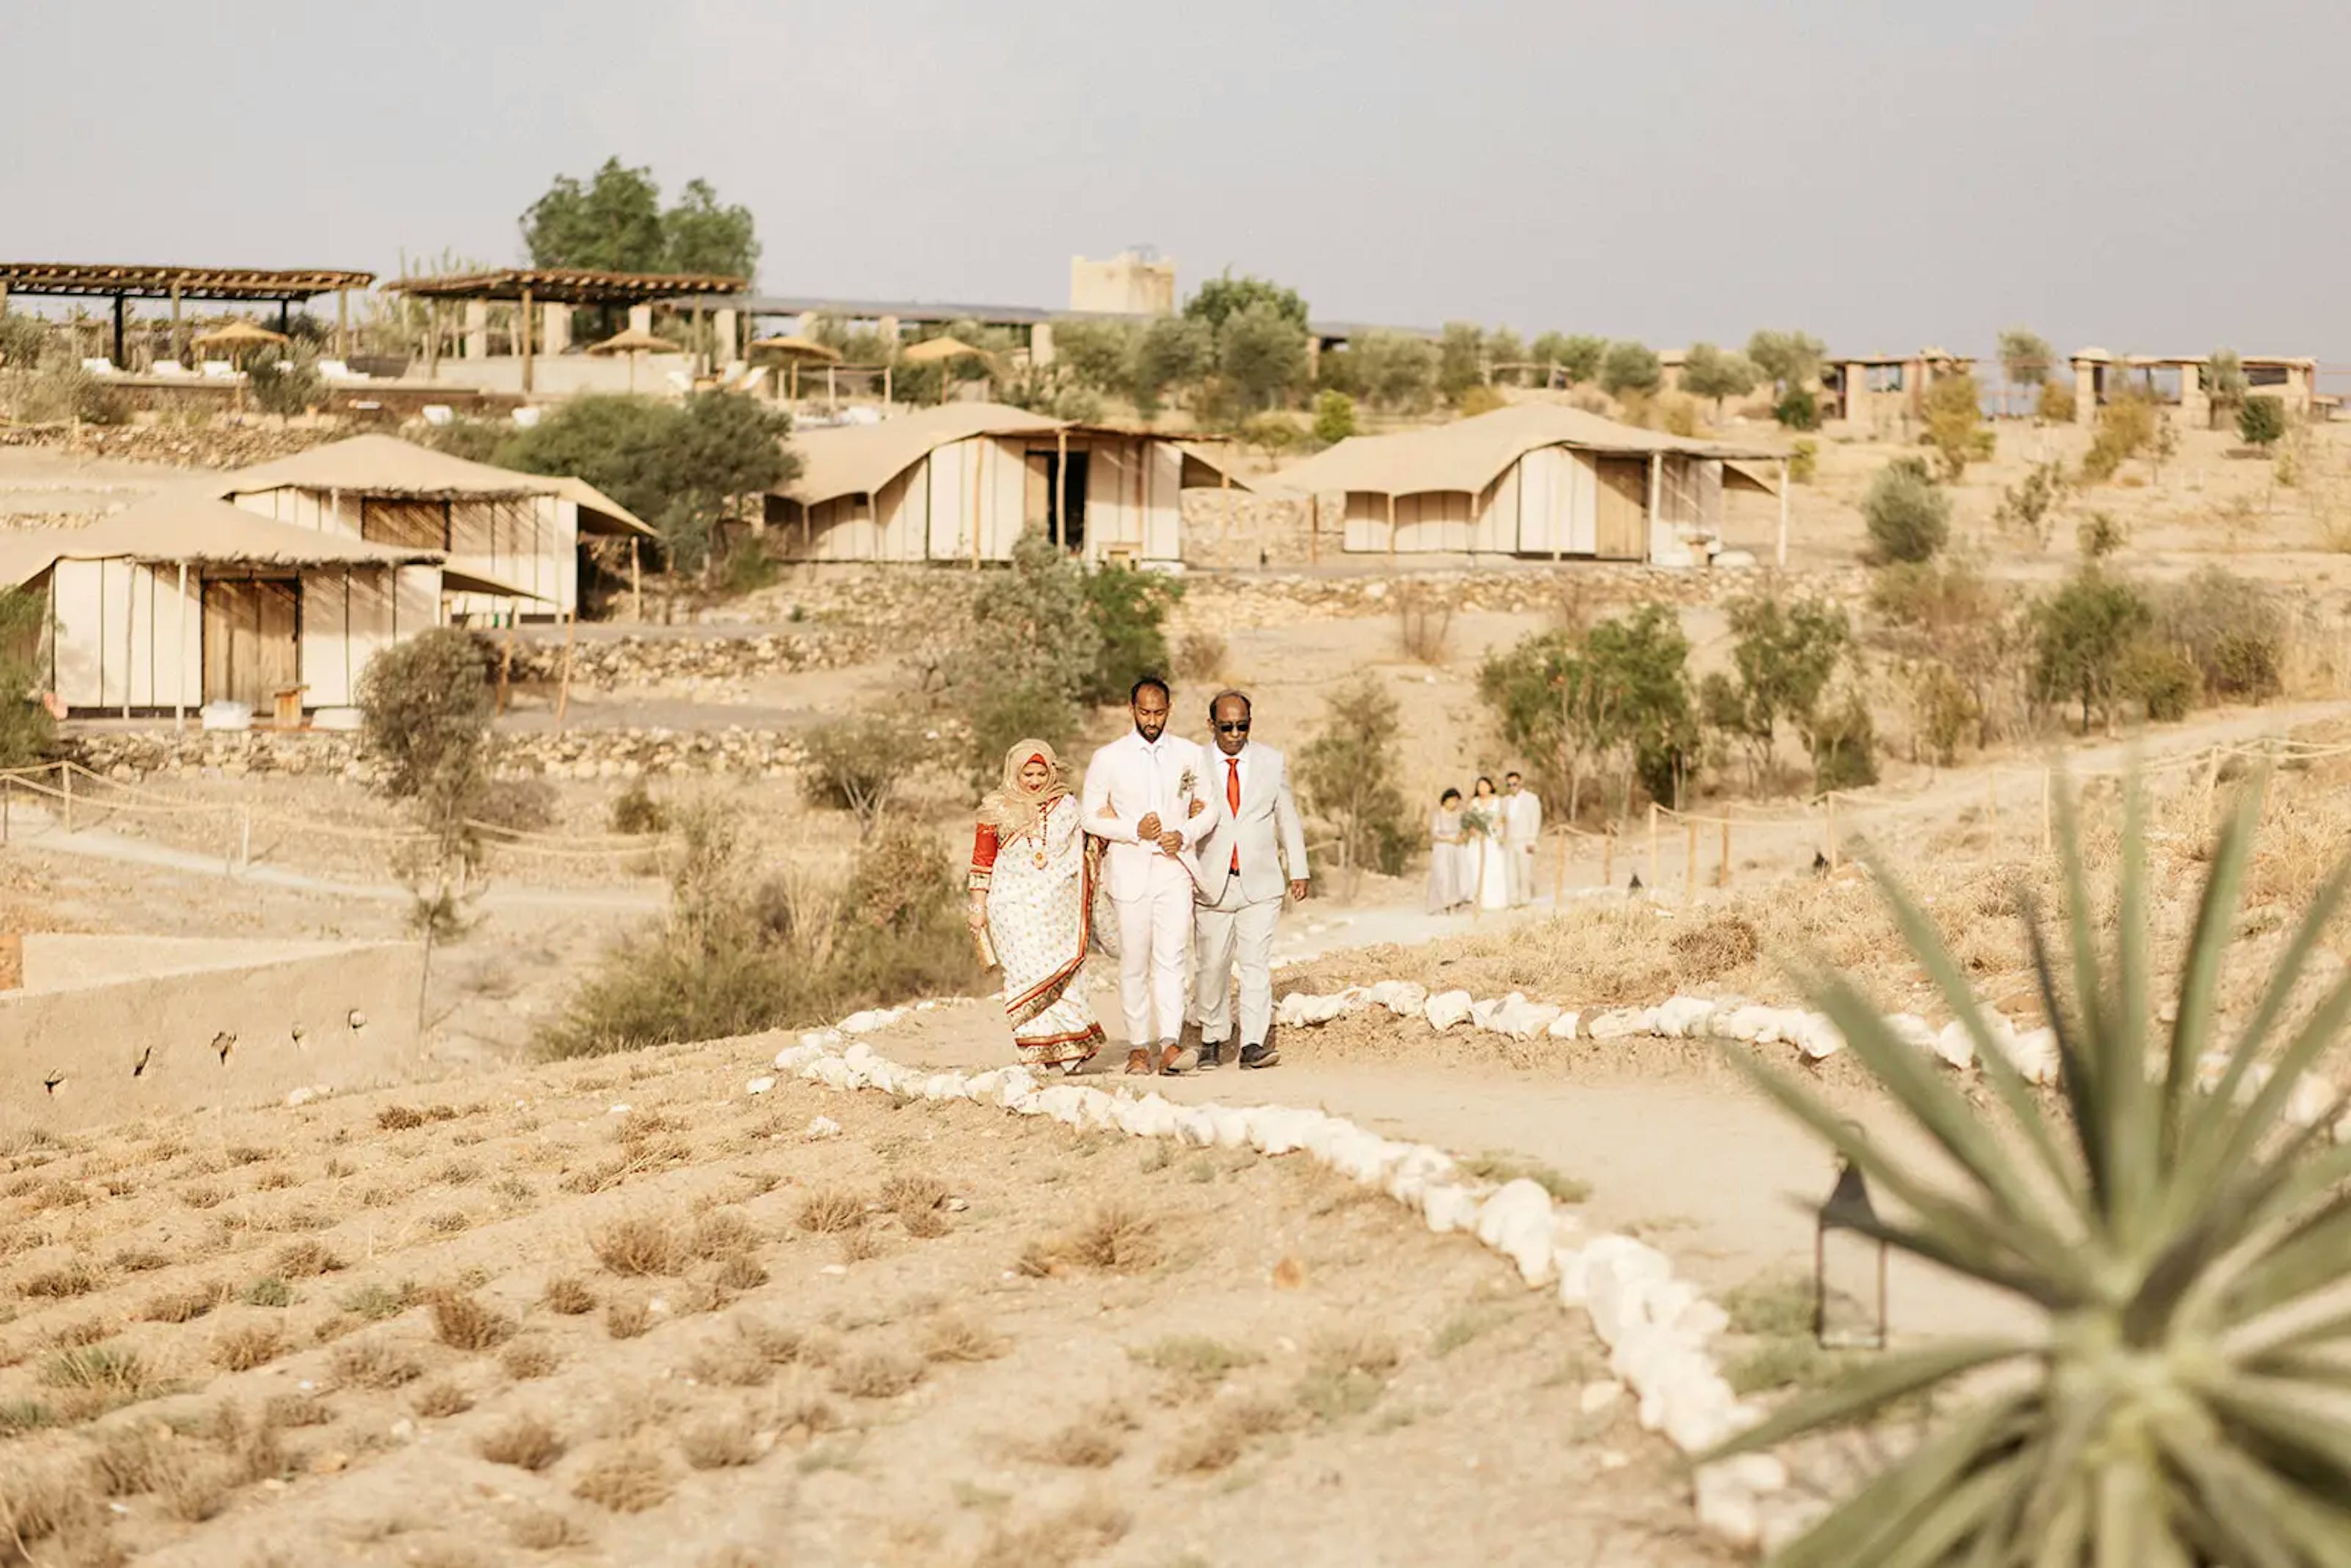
1013 809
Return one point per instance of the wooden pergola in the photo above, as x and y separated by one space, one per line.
68 280
526 287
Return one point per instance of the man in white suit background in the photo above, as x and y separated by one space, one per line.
1521 831
1144 798
1253 827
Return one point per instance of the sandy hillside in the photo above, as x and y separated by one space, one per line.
502 1321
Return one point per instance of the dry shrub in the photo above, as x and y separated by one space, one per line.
246 1346
1059 1540
1094 1441
1725 943
373 1363
720 1443
1424 622
448 1221
400 1118
1117 1238
1347 1372
924 1224
42 1504
627 1317
877 1375
194 1491
1220 1438
526 1442
740 1271
723 1233
954 1339
462 1323
1200 656
247 1154
910 1192
543 1529
202 1195
128 1460
568 1295
102 1376
630 1482
831 1211
185 1303
276 1179
640 1245
741 1362
442 1398
296 1410
78 1277
305 1259
140 1260
858 1245
90 1330
530 1358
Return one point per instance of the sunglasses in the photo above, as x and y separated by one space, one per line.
1240 728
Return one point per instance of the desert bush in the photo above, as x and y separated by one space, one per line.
1478 400
1953 409
1629 367
2056 404
857 764
2261 421
2232 628
1424 622
2098 536
1782 655
2162 680
1945 612
1334 417
1798 409
1128 611
1708 372
2127 427
1679 413
285 380
27 734
2081 635
22 339
1028 651
1804 461
425 706
1843 738
1575 699
1348 773
2029 505
1908 514
525 1442
636 813
1948 710
53 388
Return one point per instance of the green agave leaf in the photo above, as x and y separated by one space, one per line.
2072 1424
2289 1415
1869 1388
2015 1096
2236 1515
2315 1523
2261 1115
2067 1538
2134 1528
1872 1520
1916 1082
2096 1067
2237 1227
1967 1240
2137 1128
2314 1255
2077 1075
2200 980
1969 1512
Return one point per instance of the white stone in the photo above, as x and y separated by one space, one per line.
1683 1018
821 1127
1448 1008
1516 1221
1594 1397
1624 1022
1405 998
622 1109
1955 1046
1817 1038
1446 1206
1564 1026
758 1086
871 1018
302 1096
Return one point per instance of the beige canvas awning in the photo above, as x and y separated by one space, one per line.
196 529
858 459
1471 453
387 465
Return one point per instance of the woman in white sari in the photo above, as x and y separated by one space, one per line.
1489 867
1452 873
1030 897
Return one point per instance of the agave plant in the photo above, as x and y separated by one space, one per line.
2184 1396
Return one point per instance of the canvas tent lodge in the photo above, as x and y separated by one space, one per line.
961 483
184 600
1534 480
520 528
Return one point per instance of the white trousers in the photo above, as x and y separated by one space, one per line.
1153 932
1231 929
1523 873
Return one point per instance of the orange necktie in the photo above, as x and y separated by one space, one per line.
1233 799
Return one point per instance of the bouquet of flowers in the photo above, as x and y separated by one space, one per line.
1478 822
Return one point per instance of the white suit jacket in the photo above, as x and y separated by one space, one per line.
1267 828
1133 780
1522 817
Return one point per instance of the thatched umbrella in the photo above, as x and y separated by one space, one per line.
940 349
633 341
795 349
239 336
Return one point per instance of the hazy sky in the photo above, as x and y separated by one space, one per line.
2152 176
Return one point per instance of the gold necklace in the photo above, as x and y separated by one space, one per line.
1041 812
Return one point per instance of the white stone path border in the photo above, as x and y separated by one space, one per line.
1659 1329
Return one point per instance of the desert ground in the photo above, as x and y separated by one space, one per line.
944 1336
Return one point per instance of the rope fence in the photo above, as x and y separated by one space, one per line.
74 805
1821 811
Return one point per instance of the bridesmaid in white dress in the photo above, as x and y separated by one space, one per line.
1489 872
1451 873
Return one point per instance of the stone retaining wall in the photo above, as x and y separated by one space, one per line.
131 758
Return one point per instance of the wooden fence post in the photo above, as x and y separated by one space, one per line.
1723 871
1689 866
1558 882
563 693
1608 860
1652 847
64 779
1833 838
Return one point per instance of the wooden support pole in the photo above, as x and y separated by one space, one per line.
1689 865
1723 871
1833 838
522 340
1652 847
1061 486
1391 548
1608 860
505 655
1313 528
971 471
1559 880
432 340
65 786
636 580
1226 486
179 659
1782 549
563 691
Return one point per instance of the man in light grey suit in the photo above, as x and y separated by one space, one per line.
1253 829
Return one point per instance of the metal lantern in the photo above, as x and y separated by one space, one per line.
1848 1268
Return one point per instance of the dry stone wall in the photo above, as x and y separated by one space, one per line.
131 758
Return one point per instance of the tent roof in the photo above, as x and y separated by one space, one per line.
201 530
387 465
858 459
1471 453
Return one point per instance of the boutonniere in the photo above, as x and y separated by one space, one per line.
1188 782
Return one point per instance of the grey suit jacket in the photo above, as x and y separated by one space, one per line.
1267 828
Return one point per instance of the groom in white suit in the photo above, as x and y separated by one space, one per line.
1253 829
1144 798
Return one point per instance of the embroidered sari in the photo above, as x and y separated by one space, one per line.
1039 884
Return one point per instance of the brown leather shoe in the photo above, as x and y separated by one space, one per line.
1138 1063
1176 1059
